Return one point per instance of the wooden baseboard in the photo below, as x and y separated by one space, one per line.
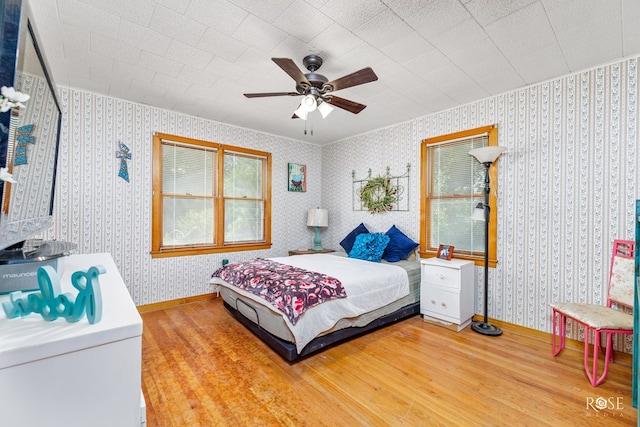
176 302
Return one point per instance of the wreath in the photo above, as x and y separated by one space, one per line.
378 195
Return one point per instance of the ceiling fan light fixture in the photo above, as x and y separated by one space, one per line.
325 109
301 112
309 103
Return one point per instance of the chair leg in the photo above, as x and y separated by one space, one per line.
559 321
601 349
607 350
593 372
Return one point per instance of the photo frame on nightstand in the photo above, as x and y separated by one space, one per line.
445 252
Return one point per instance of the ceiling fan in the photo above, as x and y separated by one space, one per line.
317 89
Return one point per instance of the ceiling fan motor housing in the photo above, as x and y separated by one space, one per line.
312 62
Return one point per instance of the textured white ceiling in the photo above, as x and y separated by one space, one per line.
199 56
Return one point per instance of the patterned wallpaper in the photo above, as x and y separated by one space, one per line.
101 212
392 147
567 185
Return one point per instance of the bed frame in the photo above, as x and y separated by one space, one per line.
287 350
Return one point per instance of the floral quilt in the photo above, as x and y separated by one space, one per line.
290 289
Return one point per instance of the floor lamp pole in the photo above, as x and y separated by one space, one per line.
484 327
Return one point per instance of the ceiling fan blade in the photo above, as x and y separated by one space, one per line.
365 75
292 69
345 104
262 95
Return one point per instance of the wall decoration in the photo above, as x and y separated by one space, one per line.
381 193
445 252
123 155
297 178
23 137
378 195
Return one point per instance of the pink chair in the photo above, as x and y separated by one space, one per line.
601 319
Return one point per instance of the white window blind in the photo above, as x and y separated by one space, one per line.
455 187
188 194
244 198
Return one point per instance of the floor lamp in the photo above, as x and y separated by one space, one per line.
486 155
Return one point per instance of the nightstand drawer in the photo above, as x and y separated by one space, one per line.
441 276
441 303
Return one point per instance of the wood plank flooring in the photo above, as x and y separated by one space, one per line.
202 368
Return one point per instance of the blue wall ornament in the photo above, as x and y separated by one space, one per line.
123 154
23 137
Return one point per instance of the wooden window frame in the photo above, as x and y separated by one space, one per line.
157 251
425 213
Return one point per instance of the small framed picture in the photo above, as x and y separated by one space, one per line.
445 252
297 178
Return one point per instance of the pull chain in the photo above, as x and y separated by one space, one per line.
305 126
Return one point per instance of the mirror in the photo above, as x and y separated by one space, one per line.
31 151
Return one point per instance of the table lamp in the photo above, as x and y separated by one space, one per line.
317 218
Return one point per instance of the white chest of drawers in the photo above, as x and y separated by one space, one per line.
446 292
75 374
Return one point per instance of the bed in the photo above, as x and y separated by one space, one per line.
378 294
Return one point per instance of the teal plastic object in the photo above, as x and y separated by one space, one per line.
636 315
51 304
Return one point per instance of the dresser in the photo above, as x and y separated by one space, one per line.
446 292
75 374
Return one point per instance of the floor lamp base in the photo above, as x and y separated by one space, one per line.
486 329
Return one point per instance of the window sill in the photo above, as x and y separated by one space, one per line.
176 252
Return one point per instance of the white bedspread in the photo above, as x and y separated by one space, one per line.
369 286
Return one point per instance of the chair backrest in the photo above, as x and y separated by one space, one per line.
622 275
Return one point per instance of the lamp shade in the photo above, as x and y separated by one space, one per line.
478 213
309 103
318 218
301 112
487 154
325 109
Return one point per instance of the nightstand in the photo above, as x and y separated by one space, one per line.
446 292
309 252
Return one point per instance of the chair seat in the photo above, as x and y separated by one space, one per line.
595 316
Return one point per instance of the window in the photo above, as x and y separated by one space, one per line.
452 184
209 197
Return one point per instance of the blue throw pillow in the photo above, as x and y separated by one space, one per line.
347 242
399 247
369 247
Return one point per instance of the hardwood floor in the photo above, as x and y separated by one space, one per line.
202 368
